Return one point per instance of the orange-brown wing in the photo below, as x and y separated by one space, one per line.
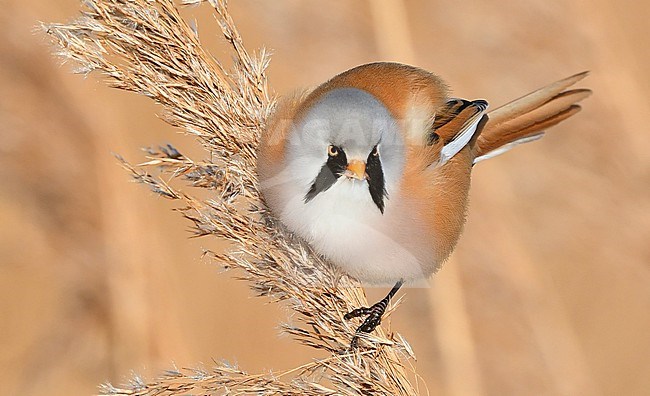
456 124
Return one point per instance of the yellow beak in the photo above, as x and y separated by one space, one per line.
356 169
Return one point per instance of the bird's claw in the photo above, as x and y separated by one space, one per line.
363 311
374 315
373 319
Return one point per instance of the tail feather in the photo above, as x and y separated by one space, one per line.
529 115
534 99
557 105
550 121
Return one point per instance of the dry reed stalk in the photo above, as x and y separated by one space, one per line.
146 47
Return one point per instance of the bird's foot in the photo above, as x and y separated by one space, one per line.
373 319
373 315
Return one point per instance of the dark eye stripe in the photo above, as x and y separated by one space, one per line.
329 173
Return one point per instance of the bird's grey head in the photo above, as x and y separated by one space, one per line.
347 136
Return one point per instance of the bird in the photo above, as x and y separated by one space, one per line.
372 168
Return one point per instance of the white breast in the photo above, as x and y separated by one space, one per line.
344 225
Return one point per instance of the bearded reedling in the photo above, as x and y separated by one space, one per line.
372 168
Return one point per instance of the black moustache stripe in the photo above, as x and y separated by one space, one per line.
376 183
329 173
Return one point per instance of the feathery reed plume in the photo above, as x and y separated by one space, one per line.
146 47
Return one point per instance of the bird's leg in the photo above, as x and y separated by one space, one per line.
374 314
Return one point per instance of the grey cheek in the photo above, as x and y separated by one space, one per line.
393 167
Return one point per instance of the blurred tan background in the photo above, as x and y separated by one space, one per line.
548 292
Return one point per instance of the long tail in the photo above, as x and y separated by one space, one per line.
525 119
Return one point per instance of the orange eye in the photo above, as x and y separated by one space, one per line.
332 151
